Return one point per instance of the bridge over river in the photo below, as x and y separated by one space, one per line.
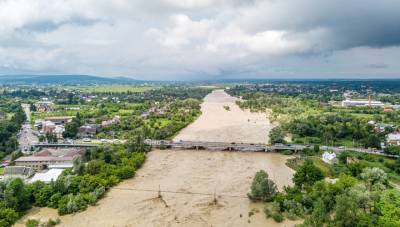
222 146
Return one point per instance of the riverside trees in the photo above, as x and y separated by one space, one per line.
75 189
349 201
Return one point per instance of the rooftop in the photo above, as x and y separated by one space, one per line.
48 176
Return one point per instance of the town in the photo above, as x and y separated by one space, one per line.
65 131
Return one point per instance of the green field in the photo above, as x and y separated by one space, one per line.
116 88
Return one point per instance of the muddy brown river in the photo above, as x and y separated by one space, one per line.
190 181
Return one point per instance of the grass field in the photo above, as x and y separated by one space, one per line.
116 88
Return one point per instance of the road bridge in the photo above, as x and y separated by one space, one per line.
223 146
85 145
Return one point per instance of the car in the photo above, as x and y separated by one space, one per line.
86 140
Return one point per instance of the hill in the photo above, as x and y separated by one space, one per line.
64 79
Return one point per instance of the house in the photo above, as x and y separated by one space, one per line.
329 158
44 106
88 130
18 171
2 115
58 131
48 127
48 157
393 138
110 122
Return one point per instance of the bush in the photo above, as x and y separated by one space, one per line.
278 217
262 188
32 223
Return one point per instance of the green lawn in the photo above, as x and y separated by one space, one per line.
116 88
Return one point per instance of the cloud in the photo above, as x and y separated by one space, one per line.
170 39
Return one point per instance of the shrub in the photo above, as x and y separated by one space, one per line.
262 187
32 223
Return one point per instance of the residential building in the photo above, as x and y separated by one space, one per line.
44 106
110 122
58 131
48 127
393 138
88 130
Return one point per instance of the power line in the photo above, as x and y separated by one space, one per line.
179 192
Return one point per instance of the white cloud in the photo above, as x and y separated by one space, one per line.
171 38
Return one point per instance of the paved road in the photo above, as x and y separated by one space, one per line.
256 147
26 137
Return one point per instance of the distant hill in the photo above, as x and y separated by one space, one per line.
65 79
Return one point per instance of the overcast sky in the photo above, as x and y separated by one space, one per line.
201 39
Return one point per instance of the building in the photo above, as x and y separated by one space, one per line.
48 127
2 115
49 157
88 130
59 120
47 176
110 122
18 171
357 103
58 131
329 158
44 106
393 138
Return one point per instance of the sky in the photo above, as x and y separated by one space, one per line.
201 39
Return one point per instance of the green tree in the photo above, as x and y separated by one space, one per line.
318 215
307 174
277 135
389 207
262 188
7 216
78 165
16 196
375 178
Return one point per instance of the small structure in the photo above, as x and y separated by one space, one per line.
59 120
329 158
393 138
58 131
44 106
48 127
47 176
2 115
356 103
88 130
110 122
18 171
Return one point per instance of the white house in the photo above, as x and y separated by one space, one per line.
328 157
393 138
